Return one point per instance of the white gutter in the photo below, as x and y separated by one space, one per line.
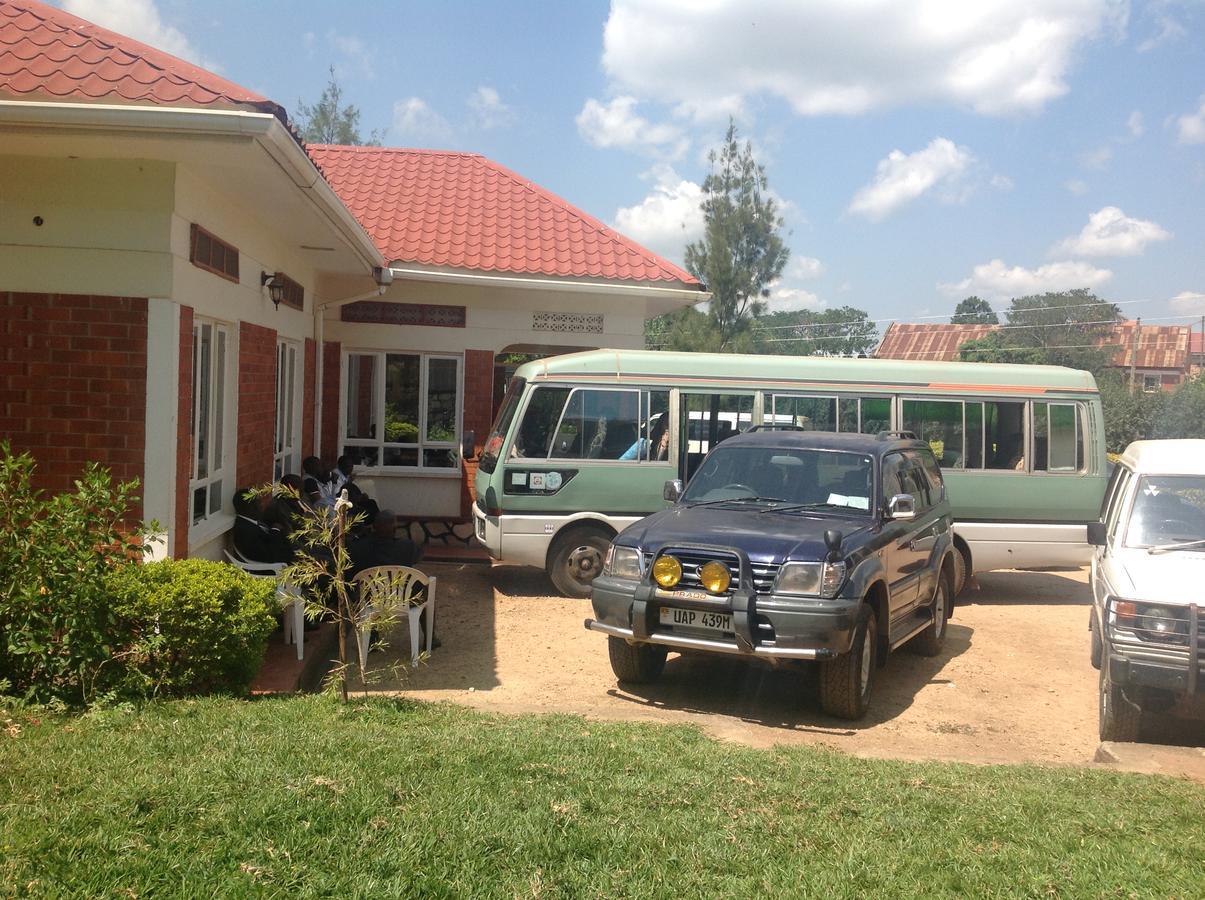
263 128
551 284
319 367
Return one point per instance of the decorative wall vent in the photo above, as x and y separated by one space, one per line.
377 312
567 323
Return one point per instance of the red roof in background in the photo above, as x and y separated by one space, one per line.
461 210
46 53
1195 343
1159 346
903 340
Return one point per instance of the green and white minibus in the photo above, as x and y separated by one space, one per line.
578 450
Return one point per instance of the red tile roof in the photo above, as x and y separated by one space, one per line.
1195 343
47 54
1159 346
461 210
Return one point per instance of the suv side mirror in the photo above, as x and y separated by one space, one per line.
1096 534
902 506
672 491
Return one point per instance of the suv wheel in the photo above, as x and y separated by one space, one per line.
930 641
845 682
636 663
1120 720
1098 644
576 559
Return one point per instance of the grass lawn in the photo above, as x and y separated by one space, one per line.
300 797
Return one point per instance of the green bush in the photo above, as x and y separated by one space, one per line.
398 431
58 630
194 626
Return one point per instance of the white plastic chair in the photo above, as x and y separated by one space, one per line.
384 588
289 596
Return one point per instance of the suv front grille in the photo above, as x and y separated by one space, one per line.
692 560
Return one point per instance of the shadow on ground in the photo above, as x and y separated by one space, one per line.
1026 587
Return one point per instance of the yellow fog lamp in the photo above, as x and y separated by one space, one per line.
715 577
667 571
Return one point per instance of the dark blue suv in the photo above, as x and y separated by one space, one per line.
787 546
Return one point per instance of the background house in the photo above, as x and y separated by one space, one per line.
1158 353
149 206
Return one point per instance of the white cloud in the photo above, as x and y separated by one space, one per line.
901 178
1189 303
996 281
806 267
1077 186
1110 232
355 55
616 124
141 20
667 219
996 57
488 110
1135 124
1169 30
1099 158
782 299
413 118
1192 125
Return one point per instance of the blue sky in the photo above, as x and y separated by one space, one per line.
922 151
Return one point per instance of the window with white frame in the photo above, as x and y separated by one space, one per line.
285 456
1151 384
402 410
210 352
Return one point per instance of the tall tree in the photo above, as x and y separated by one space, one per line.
974 311
329 121
804 332
741 252
1066 328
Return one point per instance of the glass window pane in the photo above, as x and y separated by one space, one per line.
848 407
441 400
202 338
939 424
215 497
598 424
400 456
361 389
198 504
1041 437
280 400
362 456
876 414
401 400
219 397
439 459
808 413
974 434
534 434
655 436
1004 440
1062 438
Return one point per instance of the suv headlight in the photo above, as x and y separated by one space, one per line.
622 562
810 579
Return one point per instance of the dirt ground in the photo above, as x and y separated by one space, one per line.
1014 683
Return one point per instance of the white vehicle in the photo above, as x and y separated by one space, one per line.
1147 573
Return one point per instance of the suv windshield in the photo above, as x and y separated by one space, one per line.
1168 510
821 478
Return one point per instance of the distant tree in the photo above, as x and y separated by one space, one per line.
974 311
805 332
1181 414
1129 416
741 252
1057 328
692 329
329 121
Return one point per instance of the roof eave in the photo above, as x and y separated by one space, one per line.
684 293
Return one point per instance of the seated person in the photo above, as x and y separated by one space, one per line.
362 505
253 538
382 547
657 443
317 484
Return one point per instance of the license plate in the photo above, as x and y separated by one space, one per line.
696 618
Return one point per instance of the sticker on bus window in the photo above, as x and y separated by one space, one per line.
552 481
518 478
537 481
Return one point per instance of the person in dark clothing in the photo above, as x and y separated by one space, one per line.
253 538
318 488
382 547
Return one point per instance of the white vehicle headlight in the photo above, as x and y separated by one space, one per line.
622 562
811 579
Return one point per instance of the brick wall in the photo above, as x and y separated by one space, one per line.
256 404
73 383
179 545
307 400
331 351
478 412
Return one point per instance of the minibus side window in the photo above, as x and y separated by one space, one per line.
808 413
1004 435
1057 438
939 424
534 435
598 424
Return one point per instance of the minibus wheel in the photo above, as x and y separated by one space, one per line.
575 560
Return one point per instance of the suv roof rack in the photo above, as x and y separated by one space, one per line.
771 426
897 435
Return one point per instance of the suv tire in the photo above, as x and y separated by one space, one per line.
845 682
636 663
930 641
1097 653
1120 720
575 560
